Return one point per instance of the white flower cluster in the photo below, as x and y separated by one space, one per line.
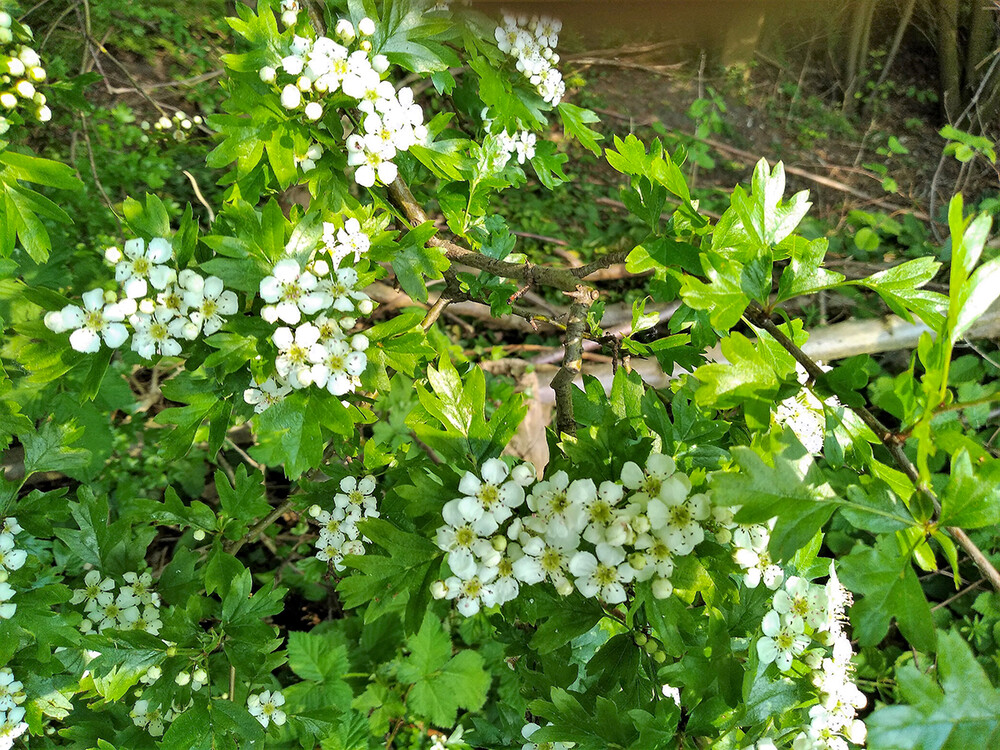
521 144
804 414
20 69
11 559
265 707
806 623
179 306
575 534
12 724
132 605
750 542
339 535
313 69
319 351
179 125
532 43
151 718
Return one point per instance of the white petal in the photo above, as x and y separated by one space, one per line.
160 250
85 340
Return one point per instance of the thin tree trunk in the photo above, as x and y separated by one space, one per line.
948 65
981 38
904 24
857 50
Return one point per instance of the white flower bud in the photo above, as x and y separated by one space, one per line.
348 323
380 63
345 30
197 120
499 543
366 46
640 524
164 123
43 113
153 673
314 111
303 83
359 342
662 588
147 306
186 124
289 17
112 255
199 535
292 64
5 35
25 89
110 297
290 97
200 675
29 57
366 26
523 474
315 510
182 678
268 74
565 587
8 100
39 98
15 67
320 268
439 589
366 306
4 20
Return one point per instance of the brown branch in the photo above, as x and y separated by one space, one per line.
258 528
892 442
572 364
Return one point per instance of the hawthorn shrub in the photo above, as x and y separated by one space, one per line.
729 562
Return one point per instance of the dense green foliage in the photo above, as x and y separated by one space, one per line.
243 506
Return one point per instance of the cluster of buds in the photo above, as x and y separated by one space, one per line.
177 126
20 72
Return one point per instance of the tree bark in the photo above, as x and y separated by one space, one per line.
949 69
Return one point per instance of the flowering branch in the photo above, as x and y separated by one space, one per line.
892 442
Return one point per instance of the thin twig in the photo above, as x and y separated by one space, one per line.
201 198
258 528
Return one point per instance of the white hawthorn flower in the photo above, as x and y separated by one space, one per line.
677 518
289 292
157 333
145 262
801 600
297 353
541 561
782 640
266 394
758 567
603 576
95 321
11 558
471 591
338 366
463 538
493 495
357 493
210 302
11 691
7 607
266 707
561 507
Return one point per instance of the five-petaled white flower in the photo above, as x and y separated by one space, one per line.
144 262
96 320
266 707
289 292
782 641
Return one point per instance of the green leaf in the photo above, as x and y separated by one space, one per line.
415 261
891 589
49 449
900 288
575 120
723 296
964 712
805 273
289 435
40 171
971 499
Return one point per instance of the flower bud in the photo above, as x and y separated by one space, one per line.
199 535
651 647
380 63
4 20
366 306
186 124
25 89
347 323
303 83
359 342
366 46
439 589
289 17
15 67
153 673
366 26
314 111
200 675
640 639
523 474
291 98
172 651
499 543
565 587
662 588
39 98
8 100
637 560
659 657
29 57
268 74
182 678
315 510
640 524
345 30
5 35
